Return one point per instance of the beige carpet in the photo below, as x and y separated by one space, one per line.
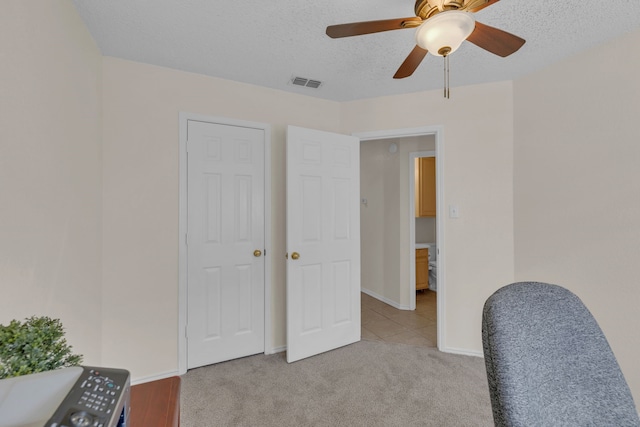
364 384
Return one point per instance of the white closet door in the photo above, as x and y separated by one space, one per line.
225 242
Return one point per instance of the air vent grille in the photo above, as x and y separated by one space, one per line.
299 81
302 81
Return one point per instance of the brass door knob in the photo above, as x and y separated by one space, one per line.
257 253
295 255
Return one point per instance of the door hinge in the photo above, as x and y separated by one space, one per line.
186 334
186 239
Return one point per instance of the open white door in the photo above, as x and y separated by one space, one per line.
323 241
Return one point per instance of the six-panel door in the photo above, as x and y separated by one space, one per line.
225 233
323 231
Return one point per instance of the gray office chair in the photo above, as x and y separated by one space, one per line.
548 362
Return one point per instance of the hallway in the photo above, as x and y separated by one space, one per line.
382 322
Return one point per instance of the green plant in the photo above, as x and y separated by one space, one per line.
35 345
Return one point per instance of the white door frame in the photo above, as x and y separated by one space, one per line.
182 229
438 133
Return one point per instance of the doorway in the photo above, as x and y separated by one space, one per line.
423 228
398 235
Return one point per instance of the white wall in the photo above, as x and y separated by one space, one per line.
373 238
577 186
141 107
50 170
478 177
426 230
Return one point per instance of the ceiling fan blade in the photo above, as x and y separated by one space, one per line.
411 63
494 40
486 3
368 27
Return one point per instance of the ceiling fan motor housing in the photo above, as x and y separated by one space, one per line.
428 8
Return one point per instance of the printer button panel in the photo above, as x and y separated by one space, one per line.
96 400
100 393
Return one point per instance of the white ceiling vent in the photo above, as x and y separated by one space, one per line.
301 81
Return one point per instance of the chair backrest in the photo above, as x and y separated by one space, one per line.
548 362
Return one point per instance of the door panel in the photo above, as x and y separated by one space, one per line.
323 227
225 290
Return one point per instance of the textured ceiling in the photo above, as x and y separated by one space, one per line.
266 43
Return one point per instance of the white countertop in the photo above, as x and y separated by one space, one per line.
424 245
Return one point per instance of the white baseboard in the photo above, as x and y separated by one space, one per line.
156 377
275 350
384 299
462 351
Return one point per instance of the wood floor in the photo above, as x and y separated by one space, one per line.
382 322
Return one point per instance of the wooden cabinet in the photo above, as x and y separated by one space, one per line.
422 269
425 187
155 404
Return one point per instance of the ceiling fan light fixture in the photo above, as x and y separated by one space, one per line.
442 34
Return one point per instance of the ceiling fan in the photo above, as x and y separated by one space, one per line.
442 26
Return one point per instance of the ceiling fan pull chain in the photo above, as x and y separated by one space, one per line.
446 76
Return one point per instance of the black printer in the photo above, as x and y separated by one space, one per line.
79 396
